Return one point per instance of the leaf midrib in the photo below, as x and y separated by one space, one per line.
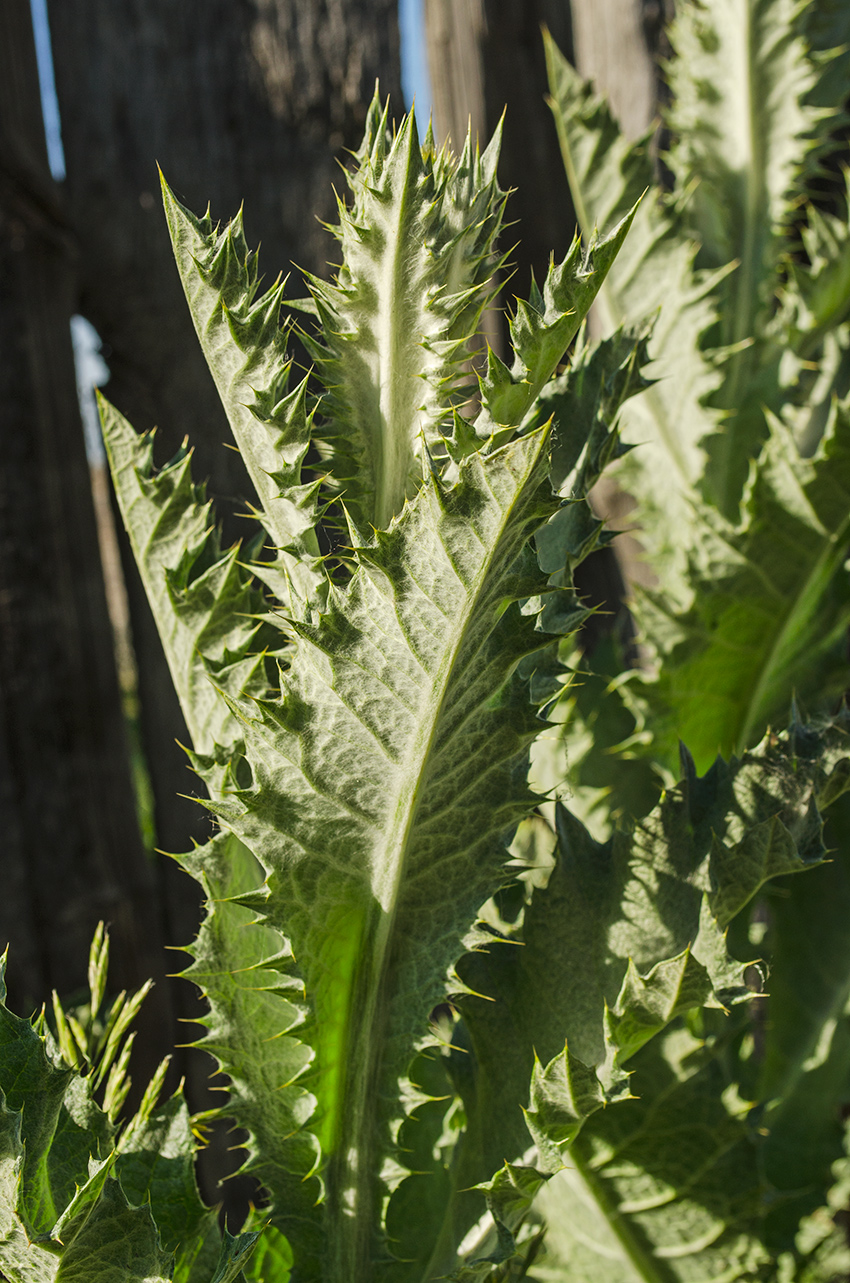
393 395
350 1253
645 1264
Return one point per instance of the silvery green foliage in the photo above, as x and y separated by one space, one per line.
422 1011
364 737
741 475
744 507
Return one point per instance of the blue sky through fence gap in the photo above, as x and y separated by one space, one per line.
47 85
415 81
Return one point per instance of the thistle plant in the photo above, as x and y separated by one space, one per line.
741 474
739 260
443 1008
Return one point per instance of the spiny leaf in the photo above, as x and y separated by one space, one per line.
823 282
542 329
118 1242
592 756
155 1161
663 1187
652 279
397 322
585 404
743 128
770 605
803 1071
821 1249
244 346
509 1195
409 673
271 1259
378 790
64 1215
202 600
81 1199
422 1188
247 974
624 937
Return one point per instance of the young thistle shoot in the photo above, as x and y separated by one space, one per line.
378 777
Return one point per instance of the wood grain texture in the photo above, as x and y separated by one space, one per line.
71 847
612 50
486 57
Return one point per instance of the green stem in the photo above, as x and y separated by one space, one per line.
805 602
743 307
353 1178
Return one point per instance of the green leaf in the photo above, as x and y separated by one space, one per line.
770 605
585 403
256 1002
826 29
421 1202
592 756
743 128
750 113
542 329
821 1243
397 321
80 1199
35 1110
63 1216
370 803
618 941
652 279
663 1187
237 1251
824 281
201 598
804 1068
155 1163
244 347
117 1244
509 1195
271 1259
409 671
570 759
